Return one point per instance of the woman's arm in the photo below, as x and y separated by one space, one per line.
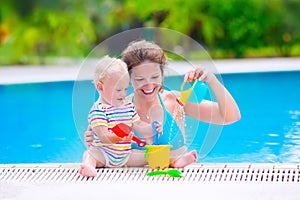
88 136
224 111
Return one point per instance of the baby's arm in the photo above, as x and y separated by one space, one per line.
108 137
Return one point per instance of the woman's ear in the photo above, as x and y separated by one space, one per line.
99 86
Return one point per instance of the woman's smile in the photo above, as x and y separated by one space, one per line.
149 91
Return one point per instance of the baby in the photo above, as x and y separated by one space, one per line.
111 80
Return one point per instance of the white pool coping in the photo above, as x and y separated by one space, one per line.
156 188
30 74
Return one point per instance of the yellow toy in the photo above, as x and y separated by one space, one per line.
199 86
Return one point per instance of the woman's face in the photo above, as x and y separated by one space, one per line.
146 80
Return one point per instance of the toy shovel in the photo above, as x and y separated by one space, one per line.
123 130
155 136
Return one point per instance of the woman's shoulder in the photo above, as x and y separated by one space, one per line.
170 95
169 99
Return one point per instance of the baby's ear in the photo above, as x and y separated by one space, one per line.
99 86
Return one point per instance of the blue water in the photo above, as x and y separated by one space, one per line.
37 122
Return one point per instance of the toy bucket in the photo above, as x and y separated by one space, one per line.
158 156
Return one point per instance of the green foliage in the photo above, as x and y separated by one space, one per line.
229 26
63 32
32 30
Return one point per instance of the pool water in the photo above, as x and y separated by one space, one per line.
269 130
38 126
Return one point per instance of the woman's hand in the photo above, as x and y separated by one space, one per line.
88 136
224 111
202 74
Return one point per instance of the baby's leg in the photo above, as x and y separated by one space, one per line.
180 158
136 158
91 159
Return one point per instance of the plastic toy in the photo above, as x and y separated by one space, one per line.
171 172
155 135
123 130
158 156
199 86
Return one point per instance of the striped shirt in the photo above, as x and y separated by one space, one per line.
107 115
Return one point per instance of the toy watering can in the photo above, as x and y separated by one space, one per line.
199 87
123 130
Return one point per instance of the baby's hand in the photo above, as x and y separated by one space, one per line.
159 128
128 138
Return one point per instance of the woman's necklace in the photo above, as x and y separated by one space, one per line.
150 113
145 110
146 114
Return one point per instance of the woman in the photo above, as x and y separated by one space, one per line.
146 62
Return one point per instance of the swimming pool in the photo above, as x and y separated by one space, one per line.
37 124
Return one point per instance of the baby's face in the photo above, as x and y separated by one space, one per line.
115 89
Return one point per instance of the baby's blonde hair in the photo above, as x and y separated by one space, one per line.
107 67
